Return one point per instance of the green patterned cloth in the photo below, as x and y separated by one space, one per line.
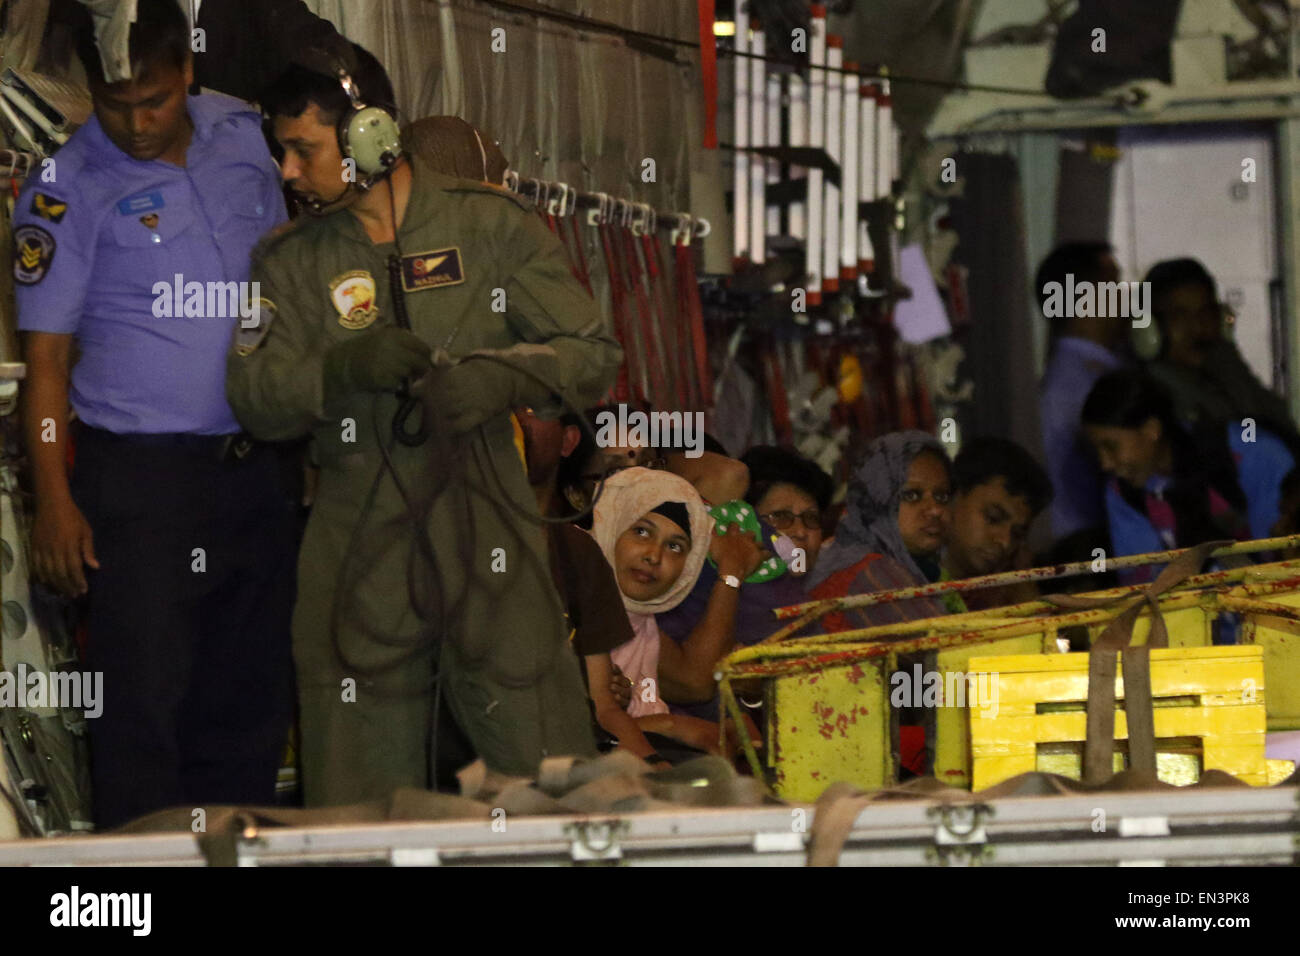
740 513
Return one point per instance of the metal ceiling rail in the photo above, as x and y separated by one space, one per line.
561 199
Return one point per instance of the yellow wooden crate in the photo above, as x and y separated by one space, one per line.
1208 713
1281 662
1187 627
829 726
952 742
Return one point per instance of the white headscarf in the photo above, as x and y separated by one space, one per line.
632 493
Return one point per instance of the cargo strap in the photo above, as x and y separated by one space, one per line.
656 390
778 401
622 388
688 297
579 256
1099 743
837 810
666 324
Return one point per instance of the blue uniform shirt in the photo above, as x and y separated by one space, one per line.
1261 466
1072 371
147 265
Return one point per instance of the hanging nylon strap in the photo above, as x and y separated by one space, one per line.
1099 744
622 390
579 257
688 293
655 392
664 325
776 396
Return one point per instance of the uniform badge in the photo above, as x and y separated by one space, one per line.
428 270
248 338
144 202
34 253
353 294
150 220
47 207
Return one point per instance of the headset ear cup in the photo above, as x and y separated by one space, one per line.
1147 343
369 137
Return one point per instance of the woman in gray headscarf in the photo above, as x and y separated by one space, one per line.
893 527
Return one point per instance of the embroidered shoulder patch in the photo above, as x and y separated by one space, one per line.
251 332
33 254
353 295
48 207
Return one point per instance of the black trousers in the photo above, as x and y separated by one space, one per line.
189 619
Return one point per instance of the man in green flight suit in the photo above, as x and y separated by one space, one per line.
420 558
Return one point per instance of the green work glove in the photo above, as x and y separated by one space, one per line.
474 390
378 361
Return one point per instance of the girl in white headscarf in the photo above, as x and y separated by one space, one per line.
655 532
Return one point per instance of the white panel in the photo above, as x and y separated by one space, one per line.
867 173
740 181
1179 192
773 139
816 138
849 181
834 134
884 142
758 137
798 137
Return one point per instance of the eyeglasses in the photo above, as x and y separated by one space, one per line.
780 520
654 464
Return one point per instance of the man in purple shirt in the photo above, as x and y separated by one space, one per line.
137 246
1084 348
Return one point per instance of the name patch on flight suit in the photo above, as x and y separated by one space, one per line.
427 270
353 294
248 338
34 253
47 207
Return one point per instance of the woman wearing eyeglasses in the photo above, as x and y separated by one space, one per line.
791 494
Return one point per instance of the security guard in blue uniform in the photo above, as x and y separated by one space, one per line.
137 247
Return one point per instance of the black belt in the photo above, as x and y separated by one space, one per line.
234 447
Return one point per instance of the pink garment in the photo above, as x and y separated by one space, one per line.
638 659
624 498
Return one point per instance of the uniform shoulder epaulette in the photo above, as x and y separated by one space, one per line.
223 107
473 186
267 244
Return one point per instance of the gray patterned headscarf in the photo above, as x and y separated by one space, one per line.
870 522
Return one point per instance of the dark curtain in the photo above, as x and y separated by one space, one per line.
989 222
1086 183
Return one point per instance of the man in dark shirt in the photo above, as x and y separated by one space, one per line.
587 586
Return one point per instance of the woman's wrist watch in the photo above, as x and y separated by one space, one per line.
730 580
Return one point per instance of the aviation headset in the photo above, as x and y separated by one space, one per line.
368 135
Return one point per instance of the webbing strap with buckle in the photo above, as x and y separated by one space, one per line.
1099 743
